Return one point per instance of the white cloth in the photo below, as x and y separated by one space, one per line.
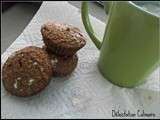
83 94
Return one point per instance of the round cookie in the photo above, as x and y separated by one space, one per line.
27 71
62 39
62 66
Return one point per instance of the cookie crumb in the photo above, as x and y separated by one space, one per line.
16 83
54 61
35 63
19 78
30 81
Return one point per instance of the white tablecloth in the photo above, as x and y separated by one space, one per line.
83 94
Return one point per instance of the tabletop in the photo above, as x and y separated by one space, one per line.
83 94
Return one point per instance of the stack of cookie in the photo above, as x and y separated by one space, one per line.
61 43
29 70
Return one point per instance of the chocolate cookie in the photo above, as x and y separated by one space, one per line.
27 71
62 39
62 66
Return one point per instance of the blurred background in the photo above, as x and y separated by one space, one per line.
15 16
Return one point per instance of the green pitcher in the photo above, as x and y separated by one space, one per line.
130 49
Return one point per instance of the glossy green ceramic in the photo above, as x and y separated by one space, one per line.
130 48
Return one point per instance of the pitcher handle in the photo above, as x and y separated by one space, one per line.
88 26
